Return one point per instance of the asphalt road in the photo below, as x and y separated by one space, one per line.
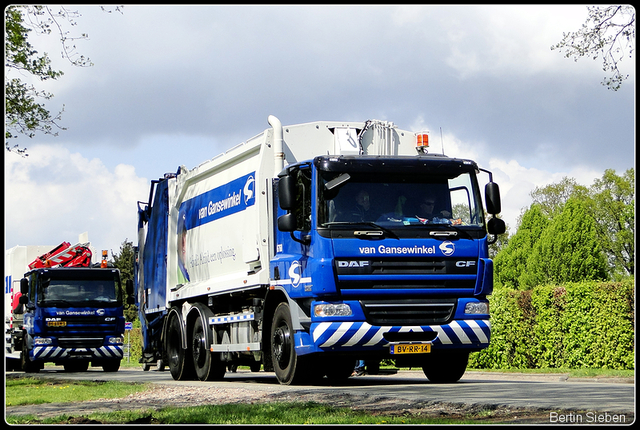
554 391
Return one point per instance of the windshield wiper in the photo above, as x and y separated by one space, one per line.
364 233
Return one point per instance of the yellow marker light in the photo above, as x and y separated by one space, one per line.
422 139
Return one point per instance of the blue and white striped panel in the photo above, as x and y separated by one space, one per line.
231 319
56 353
110 351
362 334
49 352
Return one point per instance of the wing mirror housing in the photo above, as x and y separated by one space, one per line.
287 192
492 198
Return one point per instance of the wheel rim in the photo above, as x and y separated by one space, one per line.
173 347
199 354
282 346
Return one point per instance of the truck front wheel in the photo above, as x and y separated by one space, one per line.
446 367
26 364
288 366
180 363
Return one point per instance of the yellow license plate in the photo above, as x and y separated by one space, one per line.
411 348
56 323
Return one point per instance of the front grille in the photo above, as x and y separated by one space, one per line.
398 273
81 325
70 342
390 267
408 311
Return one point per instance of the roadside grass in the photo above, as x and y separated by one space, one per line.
35 391
259 413
23 390
573 373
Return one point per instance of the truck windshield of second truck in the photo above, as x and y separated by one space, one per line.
401 201
78 293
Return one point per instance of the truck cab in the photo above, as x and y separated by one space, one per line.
71 316
386 256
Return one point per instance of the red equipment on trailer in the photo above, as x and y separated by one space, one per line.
64 255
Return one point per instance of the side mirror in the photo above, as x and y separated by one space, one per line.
496 226
129 287
492 198
129 290
23 300
287 222
287 192
24 286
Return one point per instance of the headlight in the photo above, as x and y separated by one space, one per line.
115 340
332 310
42 341
475 308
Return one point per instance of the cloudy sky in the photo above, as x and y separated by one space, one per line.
177 85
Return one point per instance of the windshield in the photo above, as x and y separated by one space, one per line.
78 292
396 200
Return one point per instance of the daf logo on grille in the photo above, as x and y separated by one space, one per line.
353 263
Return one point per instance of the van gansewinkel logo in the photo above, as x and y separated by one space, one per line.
296 278
447 248
249 189
219 202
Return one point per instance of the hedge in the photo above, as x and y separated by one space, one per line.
579 325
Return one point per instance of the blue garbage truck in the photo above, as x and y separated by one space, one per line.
311 246
71 316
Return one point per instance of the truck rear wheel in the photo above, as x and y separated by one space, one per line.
288 366
446 367
180 362
207 365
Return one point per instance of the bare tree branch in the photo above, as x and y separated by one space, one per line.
610 33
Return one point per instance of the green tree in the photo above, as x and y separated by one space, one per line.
25 110
511 262
23 114
124 262
612 201
609 32
552 198
568 249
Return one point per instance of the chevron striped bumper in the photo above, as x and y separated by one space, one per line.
51 353
345 336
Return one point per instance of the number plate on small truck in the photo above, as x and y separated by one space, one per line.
410 348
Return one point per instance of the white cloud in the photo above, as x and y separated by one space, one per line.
510 40
54 195
517 182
